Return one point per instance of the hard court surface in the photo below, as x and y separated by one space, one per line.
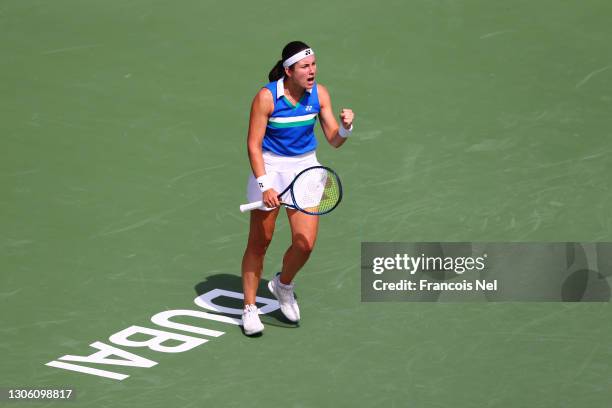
123 162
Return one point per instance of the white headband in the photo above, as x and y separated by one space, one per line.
295 58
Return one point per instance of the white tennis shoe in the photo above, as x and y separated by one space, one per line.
250 320
286 299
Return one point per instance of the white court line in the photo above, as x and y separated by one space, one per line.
591 75
78 47
493 34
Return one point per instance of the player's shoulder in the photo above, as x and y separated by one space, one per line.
323 95
264 101
322 89
264 94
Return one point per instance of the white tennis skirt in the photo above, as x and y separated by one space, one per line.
281 171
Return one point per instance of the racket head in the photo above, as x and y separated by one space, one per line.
316 190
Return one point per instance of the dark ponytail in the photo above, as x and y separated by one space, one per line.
278 71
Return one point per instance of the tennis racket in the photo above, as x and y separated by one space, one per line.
315 191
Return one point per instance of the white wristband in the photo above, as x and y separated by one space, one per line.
264 182
342 132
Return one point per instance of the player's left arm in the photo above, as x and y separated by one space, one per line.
328 121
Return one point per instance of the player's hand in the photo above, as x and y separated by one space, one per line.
270 198
346 118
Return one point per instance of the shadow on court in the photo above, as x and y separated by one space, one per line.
234 283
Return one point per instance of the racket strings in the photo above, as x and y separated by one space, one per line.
317 190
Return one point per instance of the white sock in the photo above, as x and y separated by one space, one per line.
282 285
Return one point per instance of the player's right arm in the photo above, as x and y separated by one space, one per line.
261 109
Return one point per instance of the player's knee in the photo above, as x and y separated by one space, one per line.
303 245
260 246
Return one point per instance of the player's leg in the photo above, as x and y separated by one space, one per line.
303 236
260 236
304 229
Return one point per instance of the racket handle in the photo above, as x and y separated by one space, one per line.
252 206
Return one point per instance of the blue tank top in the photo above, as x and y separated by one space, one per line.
290 129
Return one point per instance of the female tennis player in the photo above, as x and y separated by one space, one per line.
281 143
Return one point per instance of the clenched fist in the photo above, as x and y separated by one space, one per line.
346 118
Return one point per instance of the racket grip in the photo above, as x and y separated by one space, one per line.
252 206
